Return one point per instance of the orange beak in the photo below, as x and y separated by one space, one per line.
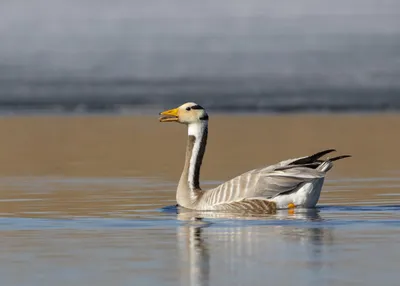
171 115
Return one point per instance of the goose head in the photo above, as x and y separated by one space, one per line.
188 113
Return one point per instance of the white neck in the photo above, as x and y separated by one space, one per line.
197 130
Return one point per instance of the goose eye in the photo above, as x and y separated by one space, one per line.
188 108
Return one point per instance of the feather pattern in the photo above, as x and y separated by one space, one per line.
259 189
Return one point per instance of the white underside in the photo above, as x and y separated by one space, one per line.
306 197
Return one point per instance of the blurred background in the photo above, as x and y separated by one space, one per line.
90 200
229 55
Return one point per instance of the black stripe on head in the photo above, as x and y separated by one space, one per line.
204 117
196 107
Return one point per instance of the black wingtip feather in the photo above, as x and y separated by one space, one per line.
339 157
312 158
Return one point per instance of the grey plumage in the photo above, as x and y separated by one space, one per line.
256 186
293 182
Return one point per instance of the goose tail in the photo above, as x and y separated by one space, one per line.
326 165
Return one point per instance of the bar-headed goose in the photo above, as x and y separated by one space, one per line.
287 184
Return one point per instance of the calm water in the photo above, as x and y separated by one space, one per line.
89 201
93 231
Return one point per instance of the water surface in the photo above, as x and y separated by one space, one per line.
94 205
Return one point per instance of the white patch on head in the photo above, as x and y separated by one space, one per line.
191 112
195 129
188 104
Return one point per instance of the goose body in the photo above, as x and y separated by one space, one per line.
287 184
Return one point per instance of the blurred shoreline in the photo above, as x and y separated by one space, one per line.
230 56
281 102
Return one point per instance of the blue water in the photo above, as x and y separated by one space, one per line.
330 245
323 216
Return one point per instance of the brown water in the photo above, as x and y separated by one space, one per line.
87 201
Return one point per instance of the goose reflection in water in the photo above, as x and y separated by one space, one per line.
243 250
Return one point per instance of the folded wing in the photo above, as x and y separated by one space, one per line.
265 183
